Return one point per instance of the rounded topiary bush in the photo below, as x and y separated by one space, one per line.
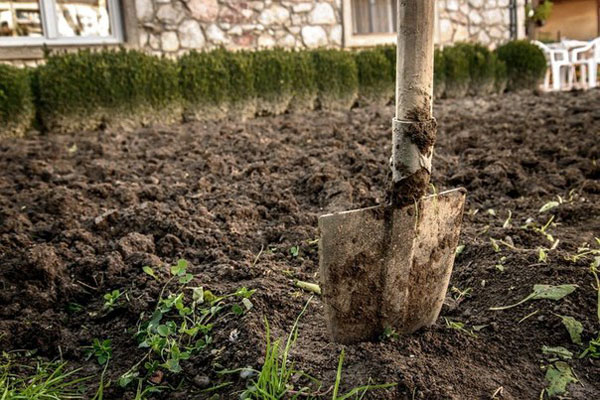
85 90
304 84
439 73
375 76
458 77
336 78
273 79
204 83
16 101
525 64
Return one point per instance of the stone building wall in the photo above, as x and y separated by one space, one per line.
483 21
174 26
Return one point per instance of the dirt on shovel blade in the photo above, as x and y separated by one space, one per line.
81 215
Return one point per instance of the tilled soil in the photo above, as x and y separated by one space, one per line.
81 215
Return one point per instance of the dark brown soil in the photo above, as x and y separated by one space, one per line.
80 215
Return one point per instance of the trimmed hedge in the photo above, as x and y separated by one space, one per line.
439 73
204 83
375 76
86 90
525 64
336 78
458 76
16 101
273 80
304 82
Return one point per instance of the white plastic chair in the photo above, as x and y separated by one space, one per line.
588 56
560 70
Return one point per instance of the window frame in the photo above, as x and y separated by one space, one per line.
362 39
49 19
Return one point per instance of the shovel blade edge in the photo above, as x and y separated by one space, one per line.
384 267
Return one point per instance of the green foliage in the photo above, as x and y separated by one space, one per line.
482 67
337 78
525 64
101 349
559 376
181 325
112 83
304 85
273 79
375 75
204 79
541 13
45 382
458 76
276 380
16 100
501 76
439 73
241 94
111 299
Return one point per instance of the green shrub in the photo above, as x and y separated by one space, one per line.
204 82
375 76
458 76
304 85
439 73
16 101
241 96
336 78
482 68
525 64
273 79
86 89
501 78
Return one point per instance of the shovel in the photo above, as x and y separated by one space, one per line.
388 267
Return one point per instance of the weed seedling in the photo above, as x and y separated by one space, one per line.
111 299
102 350
294 251
459 326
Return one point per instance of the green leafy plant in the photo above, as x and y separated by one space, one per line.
543 292
101 349
439 73
182 322
459 326
111 299
525 64
541 13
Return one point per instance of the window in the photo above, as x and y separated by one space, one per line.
369 22
61 22
373 16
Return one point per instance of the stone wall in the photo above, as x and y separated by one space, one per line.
173 26
483 21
